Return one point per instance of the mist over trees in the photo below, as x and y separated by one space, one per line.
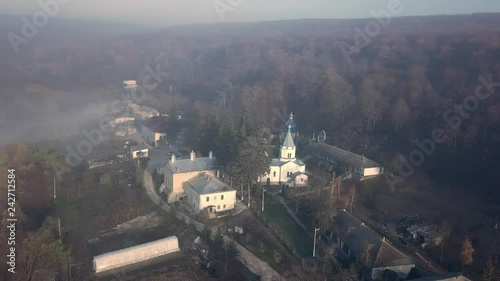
231 82
377 102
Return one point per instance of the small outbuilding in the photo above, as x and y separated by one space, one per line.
136 254
138 151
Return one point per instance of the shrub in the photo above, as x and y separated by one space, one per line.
218 240
277 256
206 234
231 250
262 248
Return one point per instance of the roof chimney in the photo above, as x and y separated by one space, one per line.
192 155
210 154
172 158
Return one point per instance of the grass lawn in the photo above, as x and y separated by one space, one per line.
286 229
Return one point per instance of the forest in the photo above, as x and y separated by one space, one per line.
379 102
418 75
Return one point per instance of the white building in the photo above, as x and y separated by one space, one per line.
142 111
354 162
287 169
154 130
206 191
130 84
136 254
194 181
139 151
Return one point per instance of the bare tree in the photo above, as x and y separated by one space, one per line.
400 114
366 255
350 274
372 106
467 253
445 232
351 196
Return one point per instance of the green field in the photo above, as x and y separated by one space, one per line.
289 233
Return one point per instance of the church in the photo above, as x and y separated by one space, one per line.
289 125
287 169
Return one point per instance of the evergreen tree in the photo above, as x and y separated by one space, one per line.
208 132
250 162
489 272
226 141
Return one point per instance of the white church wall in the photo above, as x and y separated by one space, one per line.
371 171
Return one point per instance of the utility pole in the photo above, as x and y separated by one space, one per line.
263 192
55 188
248 195
242 197
333 185
314 246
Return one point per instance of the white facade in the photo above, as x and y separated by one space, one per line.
151 136
215 202
374 171
130 84
194 180
136 254
287 168
139 152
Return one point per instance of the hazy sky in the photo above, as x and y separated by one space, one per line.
164 12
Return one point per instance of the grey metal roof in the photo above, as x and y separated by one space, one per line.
340 155
358 235
162 164
206 184
288 139
135 254
277 162
298 174
188 165
138 147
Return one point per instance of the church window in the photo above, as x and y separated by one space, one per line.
289 155
274 174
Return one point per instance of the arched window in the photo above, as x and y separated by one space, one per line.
289 155
274 174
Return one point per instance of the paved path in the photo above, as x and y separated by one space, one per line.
253 263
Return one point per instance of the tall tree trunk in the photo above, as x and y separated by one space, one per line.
353 195
248 195
333 185
338 188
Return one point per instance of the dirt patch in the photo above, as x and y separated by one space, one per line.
257 238
141 223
